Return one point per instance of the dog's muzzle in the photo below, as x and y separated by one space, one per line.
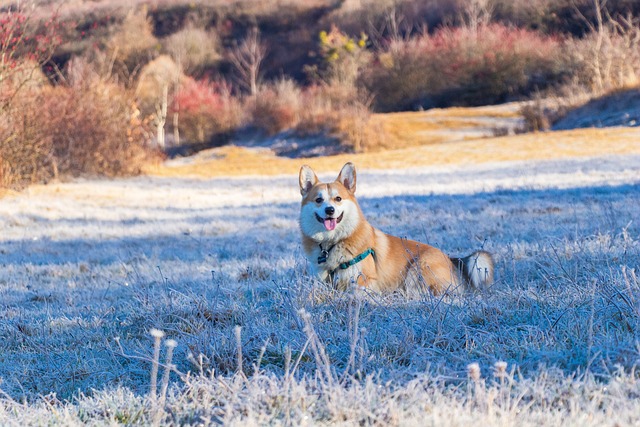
330 223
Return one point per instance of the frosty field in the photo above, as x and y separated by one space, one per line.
89 268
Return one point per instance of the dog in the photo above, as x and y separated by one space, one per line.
344 249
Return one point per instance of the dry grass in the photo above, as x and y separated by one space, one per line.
508 110
410 129
433 138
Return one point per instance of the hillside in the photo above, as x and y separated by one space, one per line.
138 81
618 109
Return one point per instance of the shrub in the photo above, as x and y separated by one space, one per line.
536 116
90 127
96 130
399 78
336 104
26 44
344 57
355 128
608 58
464 66
338 111
605 61
277 107
205 110
342 113
25 146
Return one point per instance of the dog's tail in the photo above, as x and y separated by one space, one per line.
476 269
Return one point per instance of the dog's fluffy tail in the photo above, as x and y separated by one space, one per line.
476 269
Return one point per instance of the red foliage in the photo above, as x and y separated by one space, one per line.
26 44
199 97
23 38
488 48
204 109
465 65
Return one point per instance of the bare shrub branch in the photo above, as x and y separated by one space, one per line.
247 59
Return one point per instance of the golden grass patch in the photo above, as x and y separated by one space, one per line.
238 161
509 110
411 129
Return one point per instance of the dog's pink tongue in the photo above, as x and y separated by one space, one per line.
330 223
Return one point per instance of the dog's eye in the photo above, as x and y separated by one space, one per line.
319 200
338 199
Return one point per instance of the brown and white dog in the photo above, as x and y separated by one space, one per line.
344 249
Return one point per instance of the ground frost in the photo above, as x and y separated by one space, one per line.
90 268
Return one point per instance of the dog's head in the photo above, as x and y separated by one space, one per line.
329 211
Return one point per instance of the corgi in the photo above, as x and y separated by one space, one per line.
344 249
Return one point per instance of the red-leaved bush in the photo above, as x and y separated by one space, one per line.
204 110
470 66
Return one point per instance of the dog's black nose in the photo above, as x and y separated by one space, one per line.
330 210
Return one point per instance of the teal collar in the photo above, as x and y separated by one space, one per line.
363 255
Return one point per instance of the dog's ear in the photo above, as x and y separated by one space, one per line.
347 177
308 179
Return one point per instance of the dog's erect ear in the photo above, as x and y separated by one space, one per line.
308 179
347 177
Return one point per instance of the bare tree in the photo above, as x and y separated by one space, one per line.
601 35
161 117
613 59
628 31
392 31
477 13
247 58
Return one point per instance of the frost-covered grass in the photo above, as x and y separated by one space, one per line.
88 269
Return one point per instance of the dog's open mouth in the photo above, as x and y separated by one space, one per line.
330 223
